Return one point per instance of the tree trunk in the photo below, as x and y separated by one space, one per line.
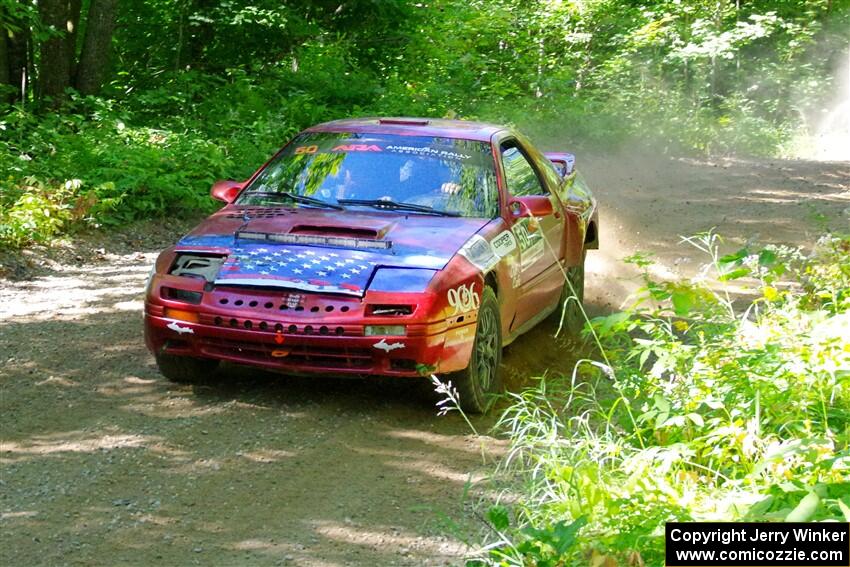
18 50
201 34
54 74
16 44
72 26
6 95
94 58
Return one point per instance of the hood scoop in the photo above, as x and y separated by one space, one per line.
336 231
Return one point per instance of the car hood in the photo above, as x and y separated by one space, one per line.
324 251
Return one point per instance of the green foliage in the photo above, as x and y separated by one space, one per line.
70 168
210 89
35 213
704 409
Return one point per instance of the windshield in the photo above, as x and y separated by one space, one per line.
443 174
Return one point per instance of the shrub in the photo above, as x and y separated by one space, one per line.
66 169
702 406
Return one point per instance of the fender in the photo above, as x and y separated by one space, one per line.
574 231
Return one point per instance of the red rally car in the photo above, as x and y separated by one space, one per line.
396 246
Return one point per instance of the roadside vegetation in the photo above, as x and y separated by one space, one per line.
722 398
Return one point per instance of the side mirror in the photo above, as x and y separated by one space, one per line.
564 162
531 206
561 167
226 190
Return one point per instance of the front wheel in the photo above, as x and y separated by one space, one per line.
479 381
185 369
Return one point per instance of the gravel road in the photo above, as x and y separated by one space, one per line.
105 463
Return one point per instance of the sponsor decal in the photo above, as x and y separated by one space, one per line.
180 330
515 272
356 148
530 241
520 229
479 252
463 299
427 151
503 244
280 353
306 150
483 254
458 336
387 347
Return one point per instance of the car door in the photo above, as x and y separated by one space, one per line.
536 219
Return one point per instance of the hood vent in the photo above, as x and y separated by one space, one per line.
259 213
316 240
336 231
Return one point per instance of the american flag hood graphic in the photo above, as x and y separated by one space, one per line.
324 269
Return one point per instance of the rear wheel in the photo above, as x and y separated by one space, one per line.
569 315
186 369
480 380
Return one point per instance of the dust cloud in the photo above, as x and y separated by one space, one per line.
830 137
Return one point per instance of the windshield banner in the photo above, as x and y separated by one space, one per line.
447 150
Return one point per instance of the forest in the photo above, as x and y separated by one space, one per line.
114 112
724 395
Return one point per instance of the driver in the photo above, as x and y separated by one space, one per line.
418 178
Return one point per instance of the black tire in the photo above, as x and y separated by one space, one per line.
568 316
479 381
186 369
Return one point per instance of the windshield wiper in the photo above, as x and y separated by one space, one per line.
295 197
388 205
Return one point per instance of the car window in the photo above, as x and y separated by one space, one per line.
561 167
578 188
519 174
550 171
446 174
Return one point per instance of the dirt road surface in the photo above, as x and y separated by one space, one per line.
105 463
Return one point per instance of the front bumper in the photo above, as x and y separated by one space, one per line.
306 341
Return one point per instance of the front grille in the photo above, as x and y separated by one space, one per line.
290 355
289 313
282 327
282 302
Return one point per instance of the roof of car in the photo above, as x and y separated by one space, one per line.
463 129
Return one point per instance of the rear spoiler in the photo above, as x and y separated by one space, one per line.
564 162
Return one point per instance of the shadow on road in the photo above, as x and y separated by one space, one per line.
104 462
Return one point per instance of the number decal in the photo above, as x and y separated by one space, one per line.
306 150
463 299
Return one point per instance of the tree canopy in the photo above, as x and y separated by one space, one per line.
94 91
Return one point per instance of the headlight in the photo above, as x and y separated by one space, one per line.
404 280
183 295
389 310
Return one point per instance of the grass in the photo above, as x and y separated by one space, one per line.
693 406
